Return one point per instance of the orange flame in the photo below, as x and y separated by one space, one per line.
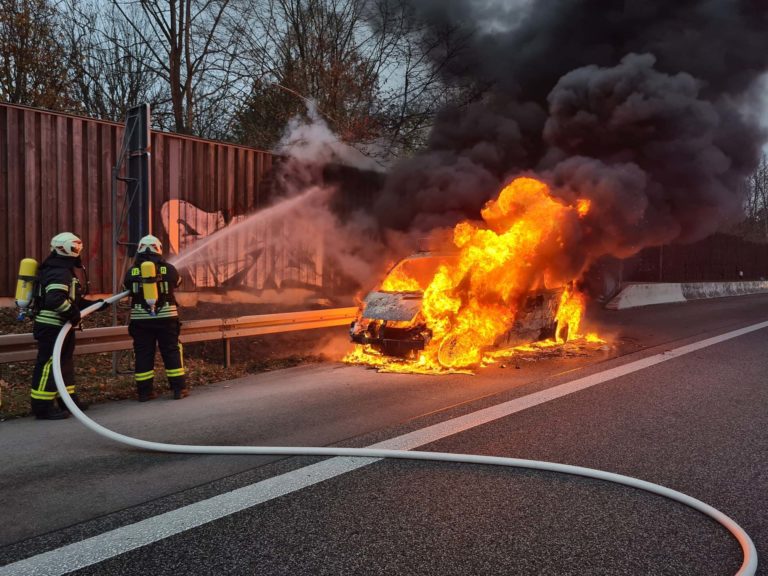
469 305
399 281
569 315
582 206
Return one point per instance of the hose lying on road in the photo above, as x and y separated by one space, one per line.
748 566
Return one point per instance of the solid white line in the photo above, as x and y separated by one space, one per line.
110 544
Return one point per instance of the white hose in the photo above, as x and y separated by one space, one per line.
748 566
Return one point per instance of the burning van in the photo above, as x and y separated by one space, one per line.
392 322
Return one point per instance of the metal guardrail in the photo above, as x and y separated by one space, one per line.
19 347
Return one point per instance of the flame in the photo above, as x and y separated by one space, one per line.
399 281
468 305
420 365
569 314
582 206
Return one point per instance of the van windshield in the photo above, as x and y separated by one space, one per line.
414 273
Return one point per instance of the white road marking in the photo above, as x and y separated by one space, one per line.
120 540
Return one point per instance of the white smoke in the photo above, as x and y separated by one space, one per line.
310 140
353 244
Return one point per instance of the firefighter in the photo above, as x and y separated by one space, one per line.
155 319
62 286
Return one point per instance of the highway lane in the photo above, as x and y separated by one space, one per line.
317 406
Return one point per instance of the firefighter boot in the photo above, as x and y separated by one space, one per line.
178 386
79 403
46 410
146 392
180 392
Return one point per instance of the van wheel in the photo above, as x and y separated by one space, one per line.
562 333
455 352
548 332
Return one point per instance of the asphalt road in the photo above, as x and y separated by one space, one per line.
697 423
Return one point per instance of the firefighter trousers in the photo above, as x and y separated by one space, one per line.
149 336
43 384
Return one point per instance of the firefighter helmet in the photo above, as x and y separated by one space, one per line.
150 243
66 244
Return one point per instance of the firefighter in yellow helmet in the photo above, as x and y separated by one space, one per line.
62 285
155 319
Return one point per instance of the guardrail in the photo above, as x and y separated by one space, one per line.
19 347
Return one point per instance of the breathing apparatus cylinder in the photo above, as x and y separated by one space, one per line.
25 285
149 285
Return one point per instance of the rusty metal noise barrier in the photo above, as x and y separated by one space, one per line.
20 347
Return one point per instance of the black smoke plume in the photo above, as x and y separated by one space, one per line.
646 107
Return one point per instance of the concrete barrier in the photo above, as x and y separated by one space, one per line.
697 290
635 295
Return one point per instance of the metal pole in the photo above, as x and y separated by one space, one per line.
661 263
117 229
227 349
115 170
621 272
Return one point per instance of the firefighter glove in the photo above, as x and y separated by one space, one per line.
74 316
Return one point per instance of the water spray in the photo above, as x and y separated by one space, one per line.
200 251
747 568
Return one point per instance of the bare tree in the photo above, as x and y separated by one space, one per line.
362 61
231 68
755 224
308 49
108 62
32 59
193 51
412 66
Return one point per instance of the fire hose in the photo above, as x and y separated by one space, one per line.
748 566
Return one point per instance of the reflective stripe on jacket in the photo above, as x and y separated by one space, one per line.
62 290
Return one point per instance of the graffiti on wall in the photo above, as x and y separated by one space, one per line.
253 257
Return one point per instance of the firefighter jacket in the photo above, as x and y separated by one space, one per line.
168 280
63 285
